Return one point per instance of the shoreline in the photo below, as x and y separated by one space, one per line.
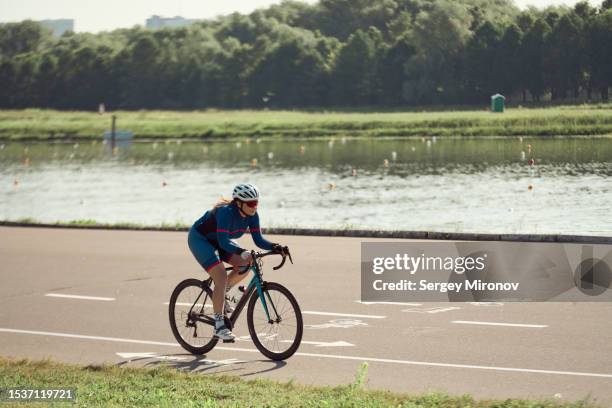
52 125
233 138
352 233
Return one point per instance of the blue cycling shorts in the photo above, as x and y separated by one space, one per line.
207 254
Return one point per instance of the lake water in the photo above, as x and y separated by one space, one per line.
487 185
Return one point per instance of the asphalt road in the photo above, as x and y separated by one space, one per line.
554 350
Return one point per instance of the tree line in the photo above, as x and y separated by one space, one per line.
382 53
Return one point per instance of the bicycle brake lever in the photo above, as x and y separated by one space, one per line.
287 253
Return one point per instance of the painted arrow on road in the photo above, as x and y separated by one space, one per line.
149 355
172 358
338 343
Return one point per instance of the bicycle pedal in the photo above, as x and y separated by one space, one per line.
229 341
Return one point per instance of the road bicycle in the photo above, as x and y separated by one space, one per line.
274 317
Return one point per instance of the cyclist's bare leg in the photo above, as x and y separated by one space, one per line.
234 277
219 276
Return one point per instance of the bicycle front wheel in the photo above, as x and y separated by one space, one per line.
191 316
279 336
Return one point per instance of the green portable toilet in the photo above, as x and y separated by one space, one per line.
497 103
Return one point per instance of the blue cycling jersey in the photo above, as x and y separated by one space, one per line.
224 223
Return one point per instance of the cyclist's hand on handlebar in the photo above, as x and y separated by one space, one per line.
283 250
278 248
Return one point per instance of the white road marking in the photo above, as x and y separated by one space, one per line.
333 356
486 303
186 304
308 312
343 314
248 338
432 310
80 336
337 323
389 303
478 367
154 355
498 324
59 295
227 361
339 343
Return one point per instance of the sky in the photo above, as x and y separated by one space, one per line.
105 15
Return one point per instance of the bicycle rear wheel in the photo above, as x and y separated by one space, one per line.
191 316
279 337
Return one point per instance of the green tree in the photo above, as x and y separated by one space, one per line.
482 52
392 71
233 67
600 52
21 38
508 63
25 84
565 56
532 58
238 26
140 83
354 77
8 76
46 81
291 74
439 36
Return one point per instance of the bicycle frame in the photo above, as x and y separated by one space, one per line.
256 283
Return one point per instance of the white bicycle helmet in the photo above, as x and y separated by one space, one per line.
245 192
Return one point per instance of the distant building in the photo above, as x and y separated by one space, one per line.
58 27
156 22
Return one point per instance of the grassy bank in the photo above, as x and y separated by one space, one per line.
163 386
49 124
343 231
102 225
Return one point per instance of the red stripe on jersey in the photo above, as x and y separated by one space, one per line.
213 265
232 232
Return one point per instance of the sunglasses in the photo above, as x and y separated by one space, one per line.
252 204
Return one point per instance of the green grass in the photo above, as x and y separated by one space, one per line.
50 124
133 225
107 385
94 223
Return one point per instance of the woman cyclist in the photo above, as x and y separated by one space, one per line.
209 241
